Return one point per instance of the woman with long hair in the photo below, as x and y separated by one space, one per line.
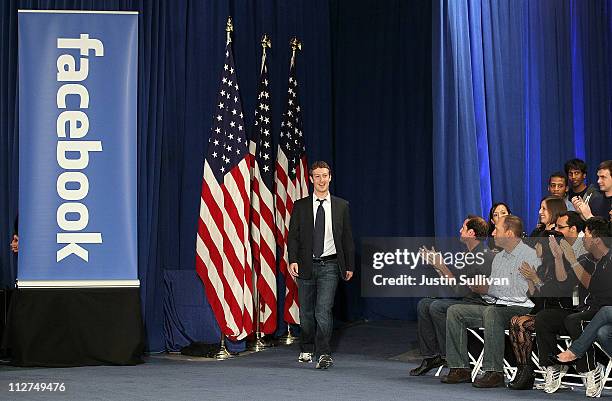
550 209
499 209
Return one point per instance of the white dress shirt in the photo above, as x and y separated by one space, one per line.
329 248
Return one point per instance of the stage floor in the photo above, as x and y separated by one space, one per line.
372 360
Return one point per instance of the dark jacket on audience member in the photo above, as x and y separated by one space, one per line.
600 287
554 293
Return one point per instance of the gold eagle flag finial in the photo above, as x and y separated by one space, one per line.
266 43
295 45
229 28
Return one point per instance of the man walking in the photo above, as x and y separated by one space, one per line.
321 250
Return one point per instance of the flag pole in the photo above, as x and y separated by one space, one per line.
296 45
288 338
258 344
223 352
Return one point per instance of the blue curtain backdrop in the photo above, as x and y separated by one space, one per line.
382 127
518 87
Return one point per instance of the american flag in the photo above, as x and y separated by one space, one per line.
263 228
223 259
291 178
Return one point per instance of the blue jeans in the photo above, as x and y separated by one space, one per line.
600 329
316 296
432 325
494 318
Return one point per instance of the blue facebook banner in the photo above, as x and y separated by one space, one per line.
77 148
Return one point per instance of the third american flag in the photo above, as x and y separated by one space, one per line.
262 204
291 178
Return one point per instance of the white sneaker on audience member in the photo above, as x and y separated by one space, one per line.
594 382
553 377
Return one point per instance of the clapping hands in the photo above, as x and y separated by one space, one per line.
431 257
555 249
582 207
528 272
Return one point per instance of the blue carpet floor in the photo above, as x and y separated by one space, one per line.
365 370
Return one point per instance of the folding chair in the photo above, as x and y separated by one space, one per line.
509 370
475 362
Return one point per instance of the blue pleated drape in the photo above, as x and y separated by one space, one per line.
519 87
382 129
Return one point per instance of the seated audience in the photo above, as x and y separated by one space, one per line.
594 272
505 297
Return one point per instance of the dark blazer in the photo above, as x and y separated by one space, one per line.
301 226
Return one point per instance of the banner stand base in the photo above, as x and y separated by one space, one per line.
75 327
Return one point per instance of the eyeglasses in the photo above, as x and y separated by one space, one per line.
558 226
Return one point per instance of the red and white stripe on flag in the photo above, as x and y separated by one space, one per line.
223 259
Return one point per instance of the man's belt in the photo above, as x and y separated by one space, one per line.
325 258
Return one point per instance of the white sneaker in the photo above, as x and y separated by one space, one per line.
594 382
548 374
325 361
305 357
553 377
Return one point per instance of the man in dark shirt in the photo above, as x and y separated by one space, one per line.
594 272
576 172
600 206
432 311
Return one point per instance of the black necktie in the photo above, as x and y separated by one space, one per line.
318 235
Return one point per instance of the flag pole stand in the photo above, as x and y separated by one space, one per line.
288 338
258 344
223 354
